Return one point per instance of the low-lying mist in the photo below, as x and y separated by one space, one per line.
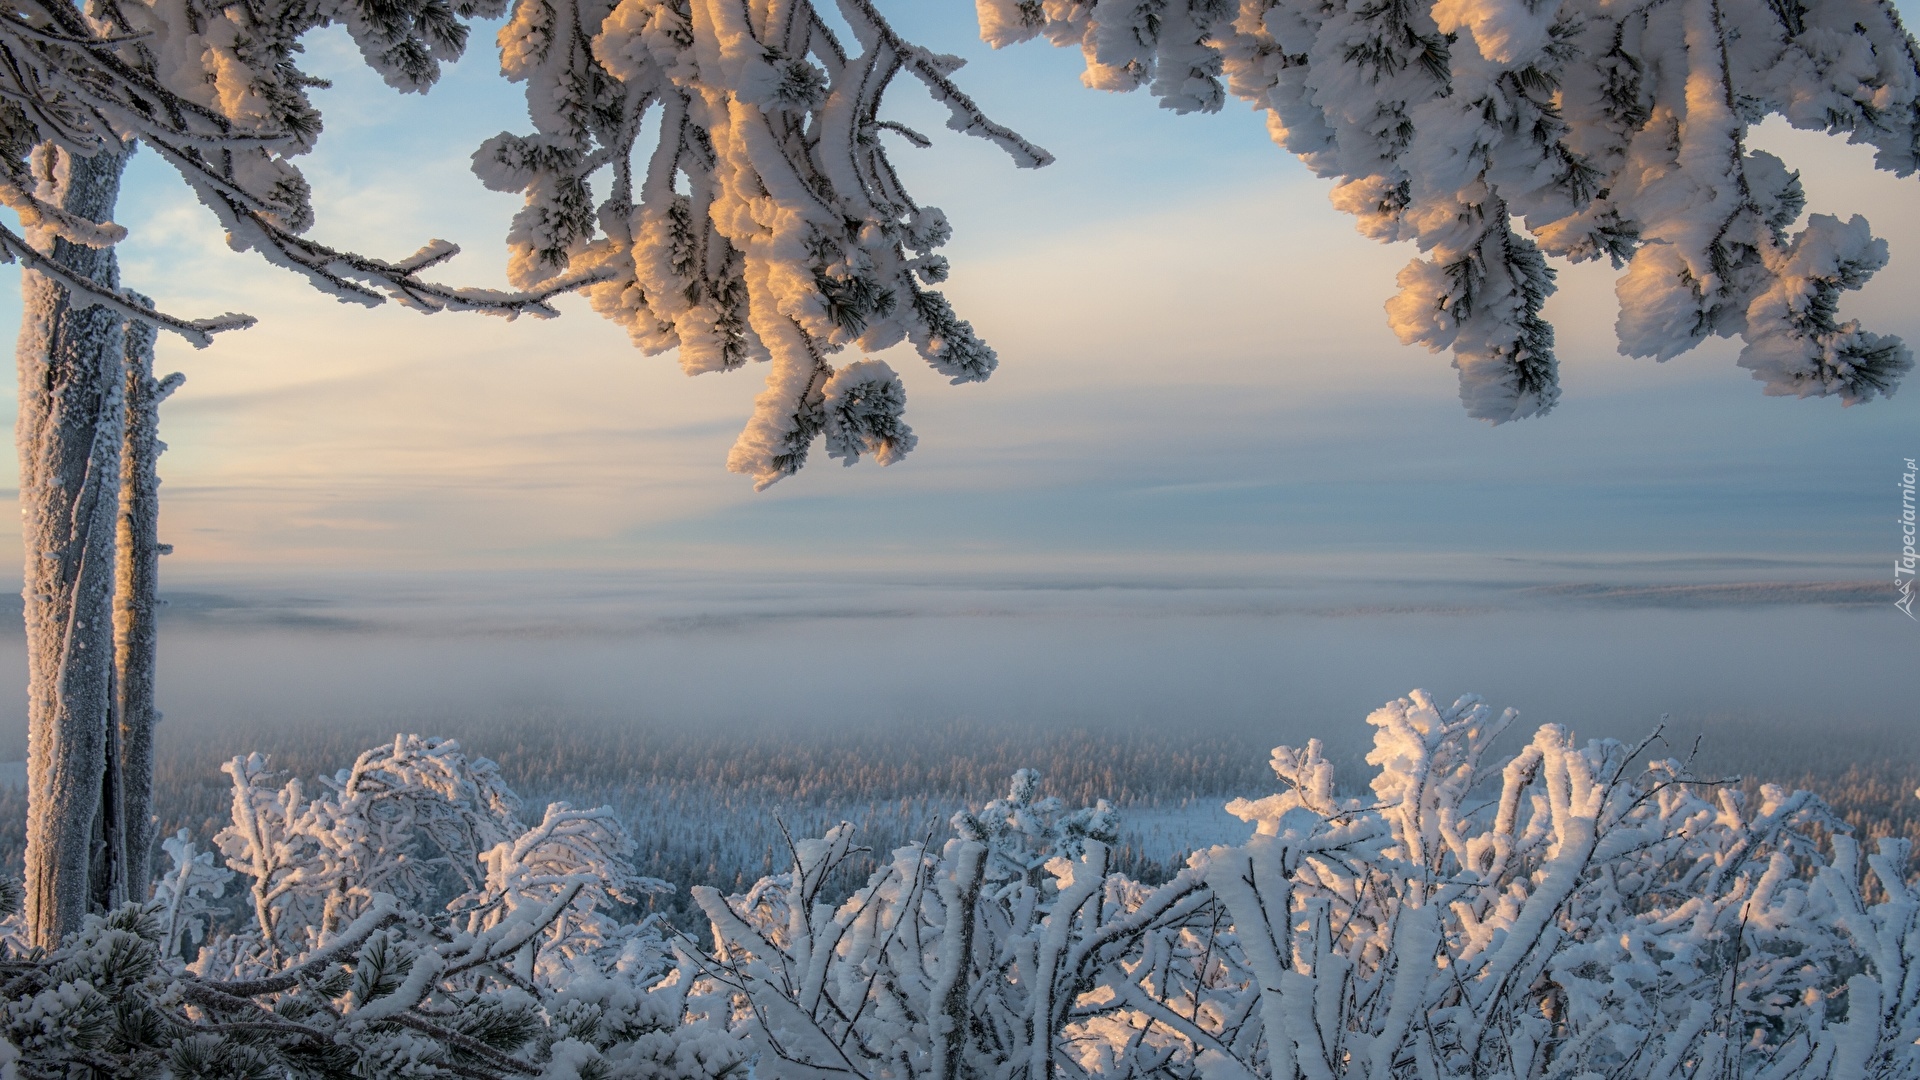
706 711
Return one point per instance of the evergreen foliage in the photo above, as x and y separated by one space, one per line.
766 223
1496 133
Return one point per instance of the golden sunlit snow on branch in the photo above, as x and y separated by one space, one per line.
1496 133
766 224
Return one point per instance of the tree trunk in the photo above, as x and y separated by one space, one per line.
69 434
134 605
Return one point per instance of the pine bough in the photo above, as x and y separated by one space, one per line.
215 91
1497 133
766 223
1570 911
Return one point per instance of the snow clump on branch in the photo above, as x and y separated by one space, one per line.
1496 133
767 223
215 90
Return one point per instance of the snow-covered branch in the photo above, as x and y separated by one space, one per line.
1569 912
214 90
767 223
1496 133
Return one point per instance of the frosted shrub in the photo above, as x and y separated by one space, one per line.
1574 910
403 921
421 825
1568 912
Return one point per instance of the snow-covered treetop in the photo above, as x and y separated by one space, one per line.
1494 133
765 223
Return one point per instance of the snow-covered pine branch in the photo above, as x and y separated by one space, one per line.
766 223
215 91
1497 133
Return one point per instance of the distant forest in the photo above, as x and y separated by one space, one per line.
710 808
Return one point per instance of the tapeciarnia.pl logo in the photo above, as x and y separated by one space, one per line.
1903 567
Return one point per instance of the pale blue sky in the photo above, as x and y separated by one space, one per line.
1196 373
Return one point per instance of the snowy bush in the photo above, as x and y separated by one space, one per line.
403 922
1562 913
1571 910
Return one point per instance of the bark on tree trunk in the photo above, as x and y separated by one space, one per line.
135 600
106 872
71 361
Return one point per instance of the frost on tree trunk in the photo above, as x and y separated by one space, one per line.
134 605
71 418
